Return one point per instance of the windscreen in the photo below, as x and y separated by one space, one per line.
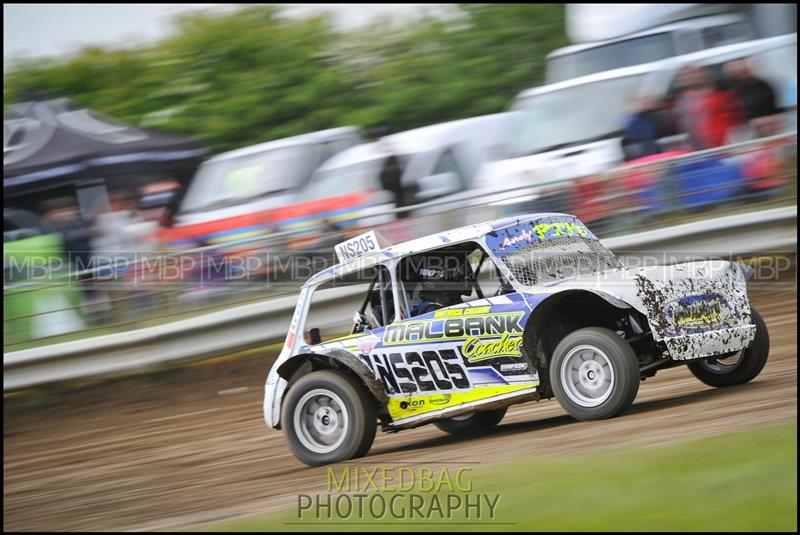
571 115
550 249
230 180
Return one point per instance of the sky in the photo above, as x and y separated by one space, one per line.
35 30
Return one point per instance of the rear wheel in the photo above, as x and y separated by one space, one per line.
739 367
328 418
594 374
473 421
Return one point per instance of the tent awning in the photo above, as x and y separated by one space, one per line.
50 143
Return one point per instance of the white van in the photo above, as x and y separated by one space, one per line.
573 128
610 37
242 194
415 166
654 44
261 176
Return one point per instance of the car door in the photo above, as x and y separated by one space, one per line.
464 354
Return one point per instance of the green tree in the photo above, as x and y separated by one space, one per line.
252 75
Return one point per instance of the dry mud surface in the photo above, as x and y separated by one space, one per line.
190 446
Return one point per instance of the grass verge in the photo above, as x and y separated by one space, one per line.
740 481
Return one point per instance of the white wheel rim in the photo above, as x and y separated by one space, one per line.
721 366
321 421
462 417
587 376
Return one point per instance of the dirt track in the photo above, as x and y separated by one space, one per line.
172 450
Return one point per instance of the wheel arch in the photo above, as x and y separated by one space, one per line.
335 359
562 313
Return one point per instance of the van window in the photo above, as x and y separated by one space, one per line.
445 178
231 180
447 164
336 181
725 34
337 145
624 53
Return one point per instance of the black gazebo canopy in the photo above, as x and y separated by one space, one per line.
49 144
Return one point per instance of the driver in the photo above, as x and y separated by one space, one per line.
436 281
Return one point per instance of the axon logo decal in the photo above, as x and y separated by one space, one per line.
412 404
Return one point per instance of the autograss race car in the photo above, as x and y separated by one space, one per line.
457 326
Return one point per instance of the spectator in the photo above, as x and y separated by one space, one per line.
642 130
63 214
708 114
755 94
117 232
757 97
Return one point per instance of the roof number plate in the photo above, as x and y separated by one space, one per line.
359 246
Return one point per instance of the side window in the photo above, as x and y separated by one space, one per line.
726 34
448 164
340 144
446 177
489 278
333 147
337 181
381 301
376 309
440 278
687 40
327 151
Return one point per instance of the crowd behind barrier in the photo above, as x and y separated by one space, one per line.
52 295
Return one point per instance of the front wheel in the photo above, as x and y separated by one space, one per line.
328 418
594 374
473 421
740 367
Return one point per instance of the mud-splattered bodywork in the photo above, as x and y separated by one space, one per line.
698 309
469 355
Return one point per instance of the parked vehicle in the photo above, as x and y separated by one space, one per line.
632 34
653 44
255 190
560 132
457 326
415 166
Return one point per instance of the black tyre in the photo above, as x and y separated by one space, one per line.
328 417
594 374
740 367
474 421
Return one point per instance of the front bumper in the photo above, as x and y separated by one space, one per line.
710 343
273 394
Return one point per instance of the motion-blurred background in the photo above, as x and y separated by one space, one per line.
272 130
165 162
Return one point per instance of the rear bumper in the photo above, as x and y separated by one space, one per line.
710 343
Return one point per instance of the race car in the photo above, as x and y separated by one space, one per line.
455 327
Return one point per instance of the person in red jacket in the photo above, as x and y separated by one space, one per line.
706 112
727 114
